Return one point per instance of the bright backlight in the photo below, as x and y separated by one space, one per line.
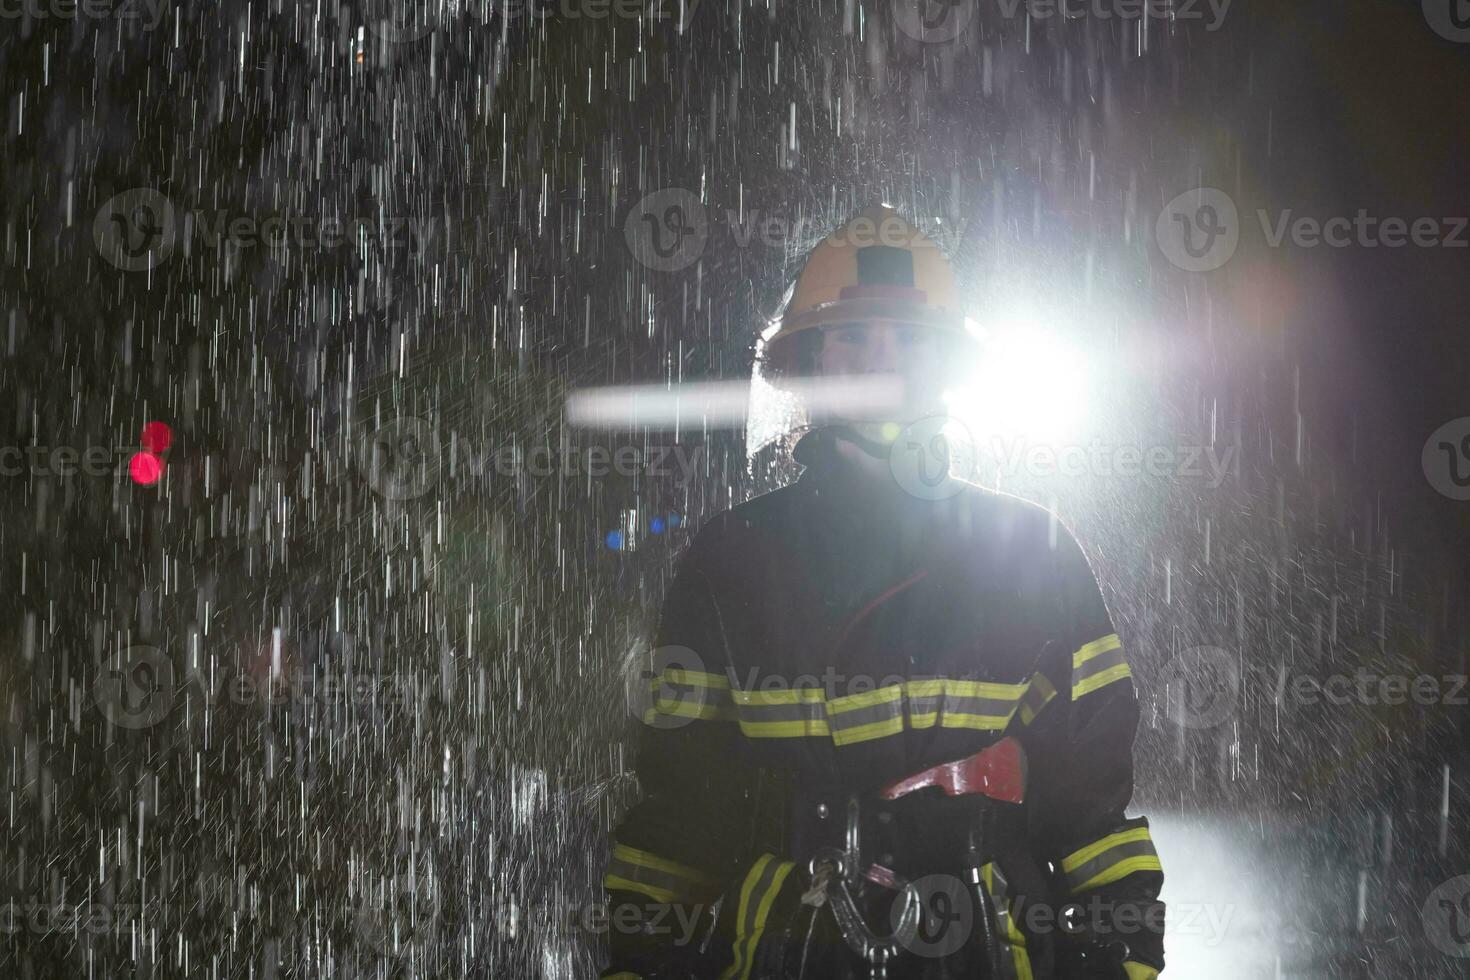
1029 384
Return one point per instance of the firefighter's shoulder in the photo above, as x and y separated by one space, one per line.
1008 517
755 514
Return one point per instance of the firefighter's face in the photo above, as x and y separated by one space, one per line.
914 353
878 347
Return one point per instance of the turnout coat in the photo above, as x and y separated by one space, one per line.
831 637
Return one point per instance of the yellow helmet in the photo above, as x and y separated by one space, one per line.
877 267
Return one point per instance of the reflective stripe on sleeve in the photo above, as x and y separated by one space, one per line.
684 694
757 895
1098 664
1115 856
1140 971
658 878
1038 694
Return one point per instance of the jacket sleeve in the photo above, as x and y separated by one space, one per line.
677 850
1078 723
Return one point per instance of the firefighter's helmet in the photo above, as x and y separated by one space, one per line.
877 267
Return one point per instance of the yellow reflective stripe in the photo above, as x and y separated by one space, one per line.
1110 859
617 883
695 678
1087 651
675 708
867 699
784 729
1038 695
682 693
877 713
1139 971
659 878
646 860
1124 868
872 730
782 695
1015 960
1098 664
854 718
757 895
1100 680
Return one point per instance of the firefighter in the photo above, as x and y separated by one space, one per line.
821 644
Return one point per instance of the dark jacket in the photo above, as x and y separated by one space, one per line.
831 637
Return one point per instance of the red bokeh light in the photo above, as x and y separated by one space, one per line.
157 437
146 468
